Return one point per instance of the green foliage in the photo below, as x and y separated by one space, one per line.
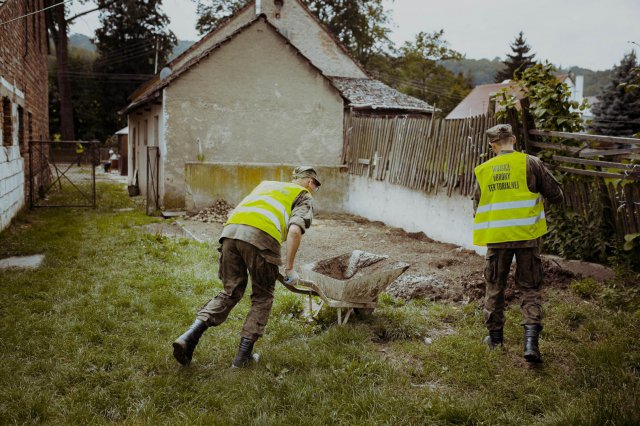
549 99
86 339
131 34
622 293
517 63
587 288
573 236
417 71
618 111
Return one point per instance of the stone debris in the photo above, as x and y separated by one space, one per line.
217 213
419 286
25 262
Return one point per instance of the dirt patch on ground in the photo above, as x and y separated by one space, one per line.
438 271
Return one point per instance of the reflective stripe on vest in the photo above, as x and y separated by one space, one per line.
268 208
507 210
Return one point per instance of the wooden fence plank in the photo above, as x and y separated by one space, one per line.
596 173
586 137
609 164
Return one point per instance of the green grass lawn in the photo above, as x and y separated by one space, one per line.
86 339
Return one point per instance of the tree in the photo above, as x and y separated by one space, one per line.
418 71
517 63
361 25
618 112
57 24
132 44
549 100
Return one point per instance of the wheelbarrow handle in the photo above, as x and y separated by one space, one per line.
296 289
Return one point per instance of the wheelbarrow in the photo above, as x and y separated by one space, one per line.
352 281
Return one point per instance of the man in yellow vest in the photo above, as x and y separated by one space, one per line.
509 219
274 212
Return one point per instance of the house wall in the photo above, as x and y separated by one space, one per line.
23 100
448 219
216 36
208 182
300 27
143 134
254 100
442 218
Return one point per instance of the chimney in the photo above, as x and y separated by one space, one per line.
258 7
579 87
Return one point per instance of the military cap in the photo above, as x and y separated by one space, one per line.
501 131
306 171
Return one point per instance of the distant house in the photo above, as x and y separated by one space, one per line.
270 85
122 136
478 101
23 100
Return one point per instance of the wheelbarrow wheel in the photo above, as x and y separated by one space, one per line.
363 312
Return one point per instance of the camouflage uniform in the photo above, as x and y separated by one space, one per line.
529 272
247 249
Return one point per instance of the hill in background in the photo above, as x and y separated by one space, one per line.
481 71
81 41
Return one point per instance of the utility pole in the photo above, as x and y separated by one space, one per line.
155 65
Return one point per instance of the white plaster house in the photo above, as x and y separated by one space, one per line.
271 85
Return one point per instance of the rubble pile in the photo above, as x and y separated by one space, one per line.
429 287
218 212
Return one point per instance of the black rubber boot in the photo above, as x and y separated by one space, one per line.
495 338
184 345
244 355
531 349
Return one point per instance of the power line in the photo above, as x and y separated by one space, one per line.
37 11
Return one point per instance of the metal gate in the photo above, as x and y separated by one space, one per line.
153 179
70 166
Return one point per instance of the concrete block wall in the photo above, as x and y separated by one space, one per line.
207 182
12 184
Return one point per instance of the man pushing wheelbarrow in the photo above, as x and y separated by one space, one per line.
274 212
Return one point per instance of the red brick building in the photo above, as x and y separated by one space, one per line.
23 99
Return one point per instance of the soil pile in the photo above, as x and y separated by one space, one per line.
217 213
348 265
430 287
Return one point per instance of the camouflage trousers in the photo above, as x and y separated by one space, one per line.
238 260
528 278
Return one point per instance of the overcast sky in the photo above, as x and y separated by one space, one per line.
593 34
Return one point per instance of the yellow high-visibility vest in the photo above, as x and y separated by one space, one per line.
507 210
268 208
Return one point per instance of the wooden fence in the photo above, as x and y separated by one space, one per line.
614 183
434 155
417 152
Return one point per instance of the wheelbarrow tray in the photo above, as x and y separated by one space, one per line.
360 290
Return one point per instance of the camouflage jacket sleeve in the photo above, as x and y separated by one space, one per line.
540 180
476 197
302 211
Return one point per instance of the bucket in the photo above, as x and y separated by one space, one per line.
133 190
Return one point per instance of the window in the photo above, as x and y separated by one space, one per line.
7 130
145 130
30 124
156 131
21 128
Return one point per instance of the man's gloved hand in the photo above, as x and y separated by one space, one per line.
291 277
